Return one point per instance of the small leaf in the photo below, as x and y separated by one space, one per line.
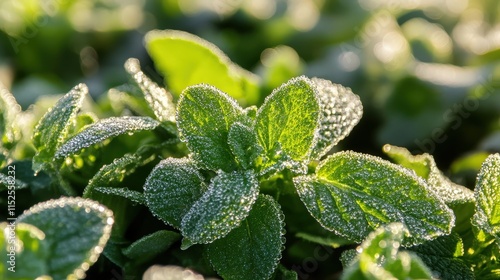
252 250
282 273
73 227
204 116
341 110
330 240
159 99
10 109
243 143
353 194
287 122
380 258
441 256
151 245
52 129
172 188
487 194
104 129
185 60
222 207
133 196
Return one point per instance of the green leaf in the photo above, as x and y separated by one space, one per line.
380 258
282 273
151 245
172 188
460 199
26 258
10 109
441 257
487 194
353 194
330 240
222 207
204 116
252 250
288 121
341 110
132 195
185 60
104 129
52 129
159 99
243 144
73 227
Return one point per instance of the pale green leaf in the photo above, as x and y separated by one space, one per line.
172 188
24 251
76 231
151 245
353 194
9 112
441 257
379 258
204 116
330 240
341 110
104 129
487 194
252 250
288 121
159 99
52 129
185 60
222 207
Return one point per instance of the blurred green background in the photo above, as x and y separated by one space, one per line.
428 72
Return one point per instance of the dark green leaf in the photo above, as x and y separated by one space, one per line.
222 207
73 227
353 194
252 250
288 121
204 116
341 110
172 188
151 245
186 60
104 129
52 129
133 196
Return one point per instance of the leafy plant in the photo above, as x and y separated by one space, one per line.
228 181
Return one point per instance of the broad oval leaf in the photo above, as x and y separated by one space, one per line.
204 116
222 207
353 194
151 245
252 250
172 188
341 110
288 121
159 99
73 227
104 129
185 60
487 193
52 129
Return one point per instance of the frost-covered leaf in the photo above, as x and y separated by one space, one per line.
243 143
29 252
11 182
52 129
9 111
185 60
287 122
158 98
341 110
204 116
380 258
132 195
104 129
76 231
172 188
222 207
487 194
353 194
441 257
459 198
151 245
252 250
